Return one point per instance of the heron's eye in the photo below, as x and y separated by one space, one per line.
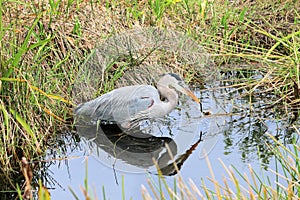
181 83
171 86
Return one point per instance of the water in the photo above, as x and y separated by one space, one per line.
233 130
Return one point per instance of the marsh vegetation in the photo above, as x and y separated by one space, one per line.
253 44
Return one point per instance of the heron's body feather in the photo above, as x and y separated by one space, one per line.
121 105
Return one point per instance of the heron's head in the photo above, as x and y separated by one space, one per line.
173 81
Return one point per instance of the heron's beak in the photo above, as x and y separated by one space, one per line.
193 96
185 90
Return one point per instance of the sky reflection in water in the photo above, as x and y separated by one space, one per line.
233 130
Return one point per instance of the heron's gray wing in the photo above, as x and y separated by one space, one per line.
120 105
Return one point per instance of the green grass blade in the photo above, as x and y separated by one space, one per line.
73 193
1 25
103 193
23 49
26 127
123 188
6 117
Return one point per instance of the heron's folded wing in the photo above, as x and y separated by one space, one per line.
123 104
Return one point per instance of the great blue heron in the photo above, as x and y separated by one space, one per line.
131 104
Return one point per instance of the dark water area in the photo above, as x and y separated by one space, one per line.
233 129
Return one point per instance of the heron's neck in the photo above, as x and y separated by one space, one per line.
171 97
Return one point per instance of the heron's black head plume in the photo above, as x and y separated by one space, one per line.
173 75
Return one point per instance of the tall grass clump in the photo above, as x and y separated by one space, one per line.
36 74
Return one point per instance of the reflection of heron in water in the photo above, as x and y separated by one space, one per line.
125 150
129 105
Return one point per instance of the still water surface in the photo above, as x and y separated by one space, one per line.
233 129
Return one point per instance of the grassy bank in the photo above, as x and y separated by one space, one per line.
43 44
